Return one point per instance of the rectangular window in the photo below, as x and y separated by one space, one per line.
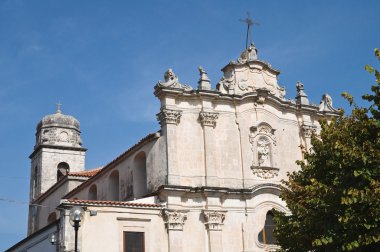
134 242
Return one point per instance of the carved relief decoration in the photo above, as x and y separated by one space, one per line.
169 116
264 147
174 220
208 118
59 136
214 219
308 130
226 85
171 80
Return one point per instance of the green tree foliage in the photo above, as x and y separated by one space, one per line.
335 197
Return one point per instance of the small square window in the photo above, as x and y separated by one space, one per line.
134 242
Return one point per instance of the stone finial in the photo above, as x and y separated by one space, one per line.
301 98
174 220
326 104
214 219
171 80
204 82
169 116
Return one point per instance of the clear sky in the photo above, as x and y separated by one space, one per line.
101 60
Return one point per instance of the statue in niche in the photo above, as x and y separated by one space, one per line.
263 152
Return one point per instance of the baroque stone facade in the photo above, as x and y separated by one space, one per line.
207 180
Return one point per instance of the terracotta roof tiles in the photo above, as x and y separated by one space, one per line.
112 203
87 173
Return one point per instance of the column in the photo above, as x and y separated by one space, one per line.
169 119
174 221
214 222
208 122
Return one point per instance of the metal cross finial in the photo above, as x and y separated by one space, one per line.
248 20
59 104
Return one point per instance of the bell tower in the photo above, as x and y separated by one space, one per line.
58 150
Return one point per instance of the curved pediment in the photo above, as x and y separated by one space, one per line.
249 74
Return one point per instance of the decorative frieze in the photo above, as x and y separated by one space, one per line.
208 118
214 219
264 172
169 116
174 220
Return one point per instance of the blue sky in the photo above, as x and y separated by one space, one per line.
101 59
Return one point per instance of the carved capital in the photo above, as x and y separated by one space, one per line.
208 118
214 219
264 172
308 130
174 220
169 116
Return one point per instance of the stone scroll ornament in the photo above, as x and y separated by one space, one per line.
171 80
169 116
263 141
214 219
174 220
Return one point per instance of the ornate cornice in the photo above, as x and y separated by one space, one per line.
174 220
214 219
208 118
169 116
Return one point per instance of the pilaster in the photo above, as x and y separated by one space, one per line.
174 221
169 119
208 121
214 222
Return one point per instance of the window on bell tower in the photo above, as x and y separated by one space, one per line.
62 170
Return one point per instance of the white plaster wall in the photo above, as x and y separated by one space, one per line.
155 169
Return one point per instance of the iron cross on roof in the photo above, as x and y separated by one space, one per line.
248 20
59 104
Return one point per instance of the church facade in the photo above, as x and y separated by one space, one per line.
206 181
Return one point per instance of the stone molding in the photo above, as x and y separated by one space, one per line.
174 219
264 172
169 116
208 118
214 219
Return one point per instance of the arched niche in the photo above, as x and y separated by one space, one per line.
63 169
264 148
113 186
93 192
139 175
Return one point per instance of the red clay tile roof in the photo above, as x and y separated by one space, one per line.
87 173
112 203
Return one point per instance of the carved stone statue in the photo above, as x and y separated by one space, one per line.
171 80
263 152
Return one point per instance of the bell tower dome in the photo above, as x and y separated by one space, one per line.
58 150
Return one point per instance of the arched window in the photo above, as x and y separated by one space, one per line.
139 175
52 217
266 235
62 170
113 186
93 193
